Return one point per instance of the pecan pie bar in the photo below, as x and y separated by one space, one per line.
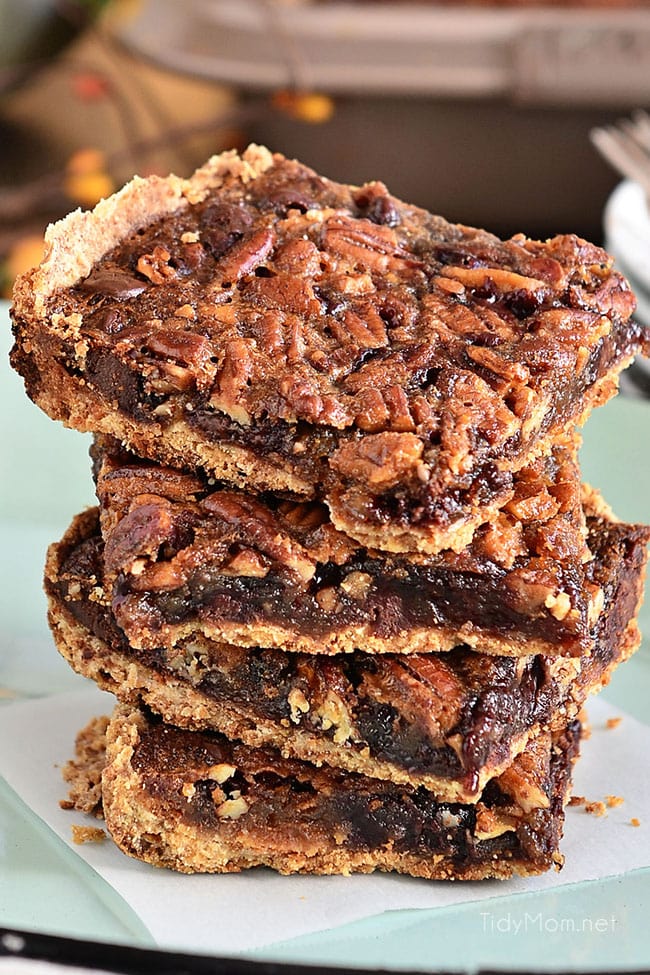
185 558
449 722
287 333
196 802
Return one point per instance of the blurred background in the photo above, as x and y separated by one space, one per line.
480 111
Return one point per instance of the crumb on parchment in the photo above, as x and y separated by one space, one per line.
612 723
635 822
614 801
596 808
87 834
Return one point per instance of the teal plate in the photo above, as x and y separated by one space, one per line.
44 887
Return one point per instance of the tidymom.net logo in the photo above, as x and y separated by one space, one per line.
541 923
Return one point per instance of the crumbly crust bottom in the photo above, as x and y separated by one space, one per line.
182 705
144 828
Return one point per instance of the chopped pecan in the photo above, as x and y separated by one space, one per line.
356 584
351 283
450 285
502 541
475 416
232 808
234 376
364 243
166 378
186 311
490 823
259 528
298 704
496 279
156 266
295 340
354 329
558 604
285 292
560 539
525 780
187 349
247 563
328 599
221 772
536 507
520 402
301 395
530 589
140 533
379 460
333 713
269 332
244 256
298 257
514 372
373 411
421 686
118 484
596 603
160 577
398 407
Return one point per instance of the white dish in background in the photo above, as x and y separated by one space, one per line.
627 236
535 55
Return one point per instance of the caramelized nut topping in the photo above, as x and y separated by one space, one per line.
180 548
307 336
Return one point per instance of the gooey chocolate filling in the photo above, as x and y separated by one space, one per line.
499 700
290 798
501 697
422 597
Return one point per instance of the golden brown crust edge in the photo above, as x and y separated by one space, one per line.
416 640
139 831
75 243
180 704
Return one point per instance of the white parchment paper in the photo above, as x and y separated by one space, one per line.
238 912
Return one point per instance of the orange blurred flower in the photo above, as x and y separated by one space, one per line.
25 254
90 87
86 179
305 106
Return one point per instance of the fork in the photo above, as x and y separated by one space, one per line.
626 146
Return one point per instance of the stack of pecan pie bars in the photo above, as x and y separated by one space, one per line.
342 578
